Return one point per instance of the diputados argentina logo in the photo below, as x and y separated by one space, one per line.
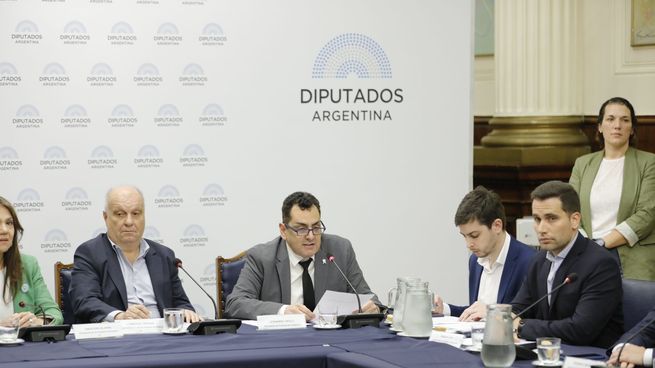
346 63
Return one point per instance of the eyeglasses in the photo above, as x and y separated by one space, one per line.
303 231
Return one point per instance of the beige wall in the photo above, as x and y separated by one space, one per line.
610 66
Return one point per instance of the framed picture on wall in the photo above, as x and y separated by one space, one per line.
643 23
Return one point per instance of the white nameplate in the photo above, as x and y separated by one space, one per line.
573 362
141 326
97 331
281 322
452 339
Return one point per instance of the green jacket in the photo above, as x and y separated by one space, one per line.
637 207
33 292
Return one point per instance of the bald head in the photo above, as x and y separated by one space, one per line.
124 216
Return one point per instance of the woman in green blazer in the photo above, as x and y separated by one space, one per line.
617 191
25 296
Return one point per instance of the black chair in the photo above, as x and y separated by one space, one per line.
227 274
638 300
63 273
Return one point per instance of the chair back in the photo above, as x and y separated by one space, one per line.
638 300
63 274
227 274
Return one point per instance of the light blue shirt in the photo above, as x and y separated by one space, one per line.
556 262
137 281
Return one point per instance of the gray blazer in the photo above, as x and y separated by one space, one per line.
264 283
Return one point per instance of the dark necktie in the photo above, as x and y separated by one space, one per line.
307 286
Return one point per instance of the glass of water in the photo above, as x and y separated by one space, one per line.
548 350
9 330
173 320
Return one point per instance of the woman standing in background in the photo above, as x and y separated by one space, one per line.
617 191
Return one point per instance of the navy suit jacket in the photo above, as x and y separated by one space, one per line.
98 288
645 338
514 271
587 311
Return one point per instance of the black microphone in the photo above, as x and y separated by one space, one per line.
356 320
331 258
567 280
178 264
37 307
618 358
210 327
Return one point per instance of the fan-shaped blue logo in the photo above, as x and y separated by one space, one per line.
76 193
54 69
102 151
101 75
148 157
28 200
148 75
122 34
54 158
75 110
193 156
168 116
74 33
213 195
26 32
8 153
122 116
168 197
9 75
54 152
75 116
74 27
151 233
76 200
212 35
26 26
208 278
122 27
212 115
56 235
167 28
54 74
194 236
352 54
167 34
193 75
27 111
56 241
168 191
101 69
9 160
28 194
102 157
27 116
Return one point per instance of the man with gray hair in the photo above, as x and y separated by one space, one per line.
119 274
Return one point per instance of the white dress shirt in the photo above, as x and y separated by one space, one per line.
7 303
295 273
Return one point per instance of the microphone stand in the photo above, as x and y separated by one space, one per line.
356 320
209 327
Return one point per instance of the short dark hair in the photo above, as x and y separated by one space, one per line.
558 189
304 200
633 119
480 204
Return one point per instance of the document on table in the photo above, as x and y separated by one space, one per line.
343 303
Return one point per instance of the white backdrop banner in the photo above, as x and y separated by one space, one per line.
218 110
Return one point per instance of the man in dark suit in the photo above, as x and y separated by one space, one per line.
639 351
120 275
587 311
290 274
499 262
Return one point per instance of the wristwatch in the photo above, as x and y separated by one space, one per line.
519 328
600 242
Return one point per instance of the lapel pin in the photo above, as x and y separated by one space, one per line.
324 262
